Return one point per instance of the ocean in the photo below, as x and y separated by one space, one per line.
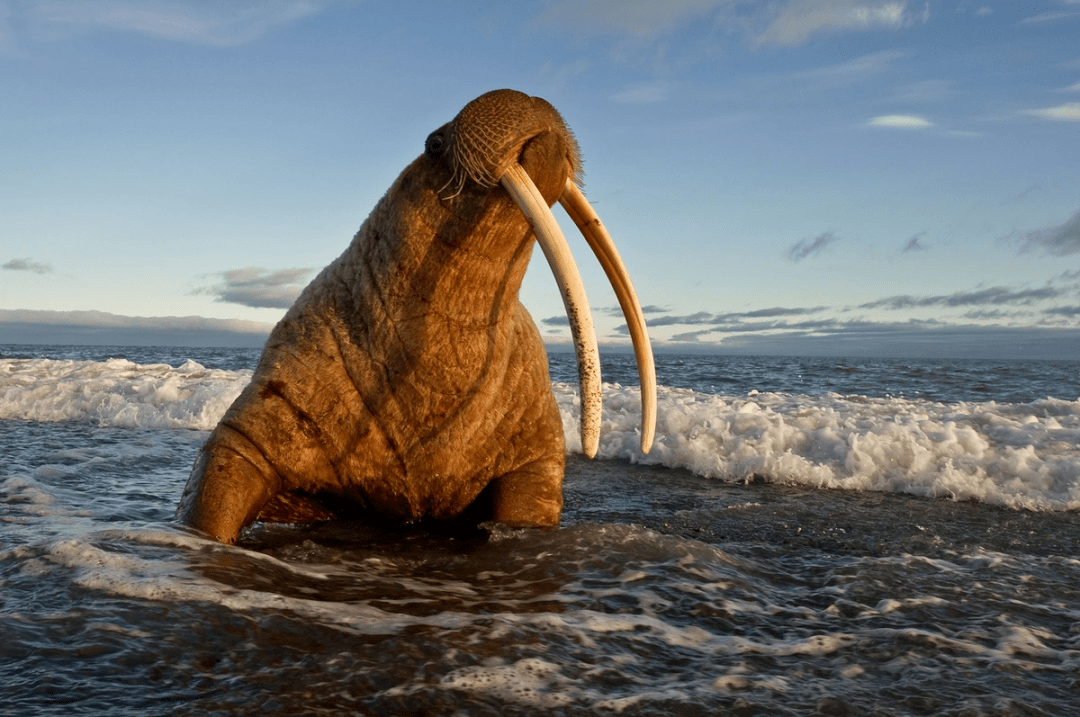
807 536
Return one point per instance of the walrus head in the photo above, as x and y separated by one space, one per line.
508 138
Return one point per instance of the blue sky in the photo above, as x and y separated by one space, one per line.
801 177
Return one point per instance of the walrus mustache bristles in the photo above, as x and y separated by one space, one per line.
466 153
466 167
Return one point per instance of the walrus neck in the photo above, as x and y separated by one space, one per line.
410 270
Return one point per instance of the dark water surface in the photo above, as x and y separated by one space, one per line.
663 593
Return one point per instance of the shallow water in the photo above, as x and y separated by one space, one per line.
664 591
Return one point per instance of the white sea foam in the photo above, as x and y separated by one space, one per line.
1020 455
117 392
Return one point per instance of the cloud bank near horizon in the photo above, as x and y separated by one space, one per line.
763 332
28 326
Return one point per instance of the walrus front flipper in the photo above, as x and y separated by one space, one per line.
530 497
228 486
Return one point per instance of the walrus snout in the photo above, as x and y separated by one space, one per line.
488 136
544 158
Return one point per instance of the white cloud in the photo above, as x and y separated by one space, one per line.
1068 112
209 23
923 91
642 18
643 93
855 69
968 6
801 19
792 24
900 122
1054 16
863 68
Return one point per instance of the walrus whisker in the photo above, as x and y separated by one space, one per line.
455 177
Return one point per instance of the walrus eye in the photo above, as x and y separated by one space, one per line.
434 144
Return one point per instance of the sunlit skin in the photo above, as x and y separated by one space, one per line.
408 380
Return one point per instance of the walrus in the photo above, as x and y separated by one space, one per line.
408 381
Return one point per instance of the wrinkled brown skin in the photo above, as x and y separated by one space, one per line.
407 377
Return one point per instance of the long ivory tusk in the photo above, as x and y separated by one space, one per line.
517 182
579 209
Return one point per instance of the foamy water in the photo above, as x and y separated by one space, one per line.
1016 455
117 392
772 555
1019 455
